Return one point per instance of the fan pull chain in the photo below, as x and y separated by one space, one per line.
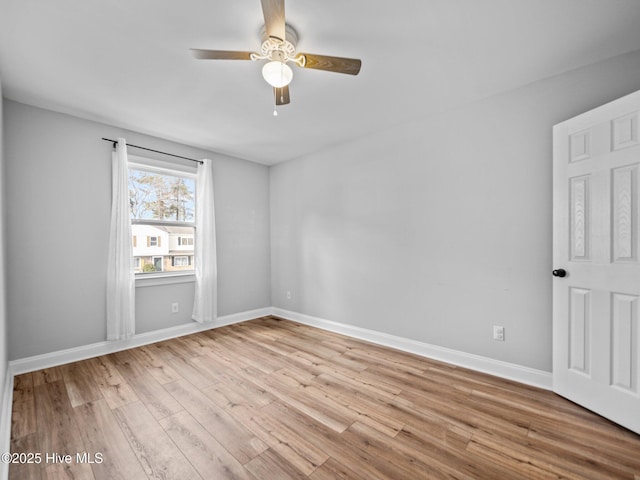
275 98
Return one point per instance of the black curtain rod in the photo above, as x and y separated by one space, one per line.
152 150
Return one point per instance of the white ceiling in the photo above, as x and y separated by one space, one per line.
127 63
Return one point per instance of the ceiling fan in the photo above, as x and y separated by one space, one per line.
279 41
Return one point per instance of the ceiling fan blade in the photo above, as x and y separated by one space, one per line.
282 95
349 66
220 54
273 11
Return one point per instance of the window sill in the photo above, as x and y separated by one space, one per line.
151 280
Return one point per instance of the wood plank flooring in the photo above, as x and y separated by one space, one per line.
270 399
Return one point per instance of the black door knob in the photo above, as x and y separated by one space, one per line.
560 272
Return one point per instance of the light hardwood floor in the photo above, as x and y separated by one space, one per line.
271 399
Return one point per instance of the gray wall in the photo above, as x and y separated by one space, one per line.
434 230
58 194
440 228
4 354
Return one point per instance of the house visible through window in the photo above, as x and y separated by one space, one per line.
181 261
162 202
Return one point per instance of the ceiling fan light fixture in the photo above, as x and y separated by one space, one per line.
277 74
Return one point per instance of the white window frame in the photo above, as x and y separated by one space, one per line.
183 258
181 241
163 168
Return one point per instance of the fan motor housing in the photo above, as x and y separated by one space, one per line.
270 44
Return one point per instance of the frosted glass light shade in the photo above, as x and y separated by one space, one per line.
277 74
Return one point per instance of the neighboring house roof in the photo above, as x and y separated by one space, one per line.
176 230
172 253
170 230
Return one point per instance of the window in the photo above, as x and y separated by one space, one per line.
162 202
181 261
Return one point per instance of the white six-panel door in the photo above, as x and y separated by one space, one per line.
596 335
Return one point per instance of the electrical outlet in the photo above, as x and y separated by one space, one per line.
175 307
498 333
288 295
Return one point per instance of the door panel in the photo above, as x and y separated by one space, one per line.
596 336
624 344
580 217
625 230
579 344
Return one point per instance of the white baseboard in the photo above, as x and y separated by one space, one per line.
511 371
6 403
47 360
529 376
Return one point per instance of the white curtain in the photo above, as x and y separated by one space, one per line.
206 297
120 276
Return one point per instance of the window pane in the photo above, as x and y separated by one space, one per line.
181 261
159 246
160 196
